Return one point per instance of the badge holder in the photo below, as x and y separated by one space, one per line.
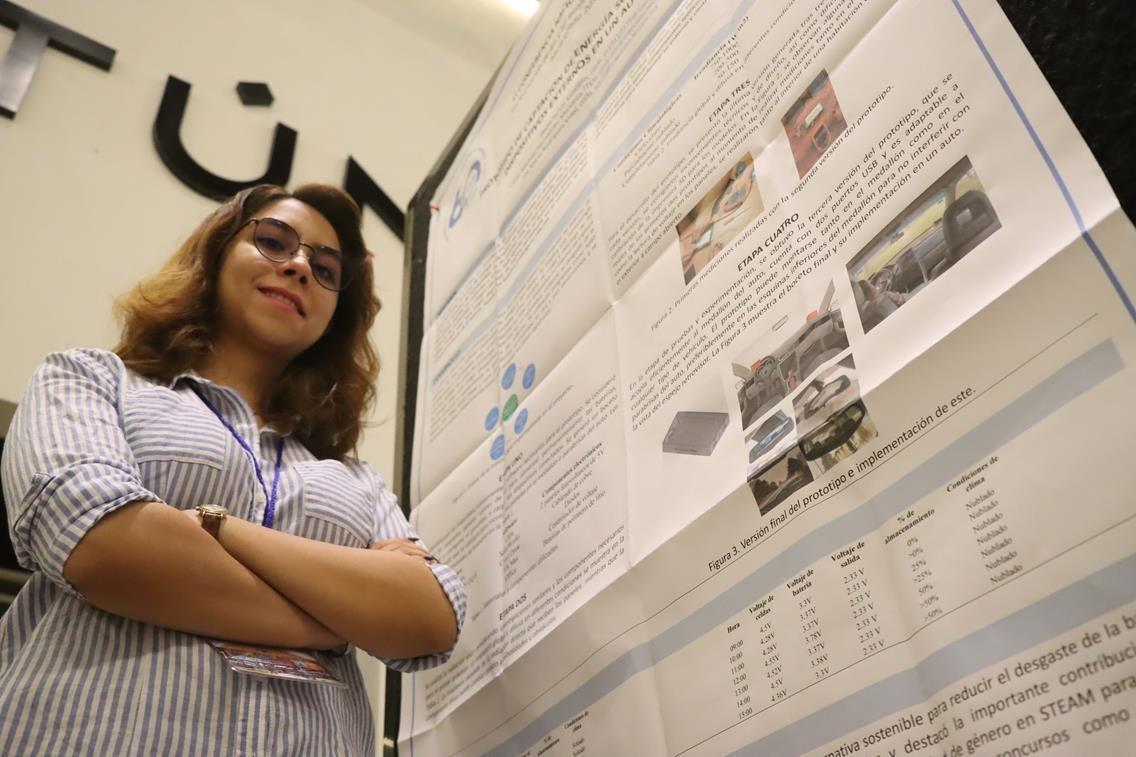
274 662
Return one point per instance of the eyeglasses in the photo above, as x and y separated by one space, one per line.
279 242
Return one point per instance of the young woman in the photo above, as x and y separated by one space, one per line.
196 485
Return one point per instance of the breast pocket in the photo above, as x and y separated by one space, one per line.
337 507
180 453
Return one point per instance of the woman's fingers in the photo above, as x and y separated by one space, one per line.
405 547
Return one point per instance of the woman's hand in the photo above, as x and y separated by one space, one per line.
385 599
384 603
409 547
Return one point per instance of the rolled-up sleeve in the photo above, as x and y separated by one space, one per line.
390 523
66 461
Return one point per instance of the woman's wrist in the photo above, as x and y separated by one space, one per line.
309 633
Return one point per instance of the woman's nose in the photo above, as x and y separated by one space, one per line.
298 266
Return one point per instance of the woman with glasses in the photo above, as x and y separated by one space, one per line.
192 512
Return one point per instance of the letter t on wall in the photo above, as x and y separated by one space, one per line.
33 34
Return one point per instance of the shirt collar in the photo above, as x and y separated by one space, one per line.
188 375
192 376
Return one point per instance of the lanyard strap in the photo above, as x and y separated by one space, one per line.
270 500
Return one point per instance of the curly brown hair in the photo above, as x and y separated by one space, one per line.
169 322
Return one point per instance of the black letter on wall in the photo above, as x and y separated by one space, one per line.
33 34
363 189
167 140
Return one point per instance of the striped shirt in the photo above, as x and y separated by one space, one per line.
91 436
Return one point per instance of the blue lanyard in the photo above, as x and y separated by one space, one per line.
270 501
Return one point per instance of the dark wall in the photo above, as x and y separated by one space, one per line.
1086 52
7 556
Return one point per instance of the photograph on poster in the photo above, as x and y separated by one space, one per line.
936 230
695 432
769 441
772 367
832 420
773 485
813 123
727 208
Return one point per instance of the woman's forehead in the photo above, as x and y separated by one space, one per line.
313 227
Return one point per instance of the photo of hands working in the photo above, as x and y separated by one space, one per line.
728 207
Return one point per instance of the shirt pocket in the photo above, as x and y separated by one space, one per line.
336 506
181 454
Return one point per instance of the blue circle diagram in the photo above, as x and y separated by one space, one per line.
509 376
497 451
491 419
530 376
522 421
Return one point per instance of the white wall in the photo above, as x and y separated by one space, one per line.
87 207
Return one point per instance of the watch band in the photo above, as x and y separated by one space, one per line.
211 518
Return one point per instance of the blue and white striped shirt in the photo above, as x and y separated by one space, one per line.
91 436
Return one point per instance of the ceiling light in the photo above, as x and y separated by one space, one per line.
525 7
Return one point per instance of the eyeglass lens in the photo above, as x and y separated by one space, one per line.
279 242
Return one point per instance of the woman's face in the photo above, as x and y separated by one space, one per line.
277 310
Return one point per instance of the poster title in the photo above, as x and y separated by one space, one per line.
584 53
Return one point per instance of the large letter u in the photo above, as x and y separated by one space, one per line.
167 139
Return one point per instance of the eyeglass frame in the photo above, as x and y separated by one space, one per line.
347 267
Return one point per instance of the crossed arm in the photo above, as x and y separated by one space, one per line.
67 462
154 563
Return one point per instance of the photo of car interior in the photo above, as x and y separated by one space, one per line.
776 374
769 440
931 235
775 483
832 420
813 123
839 430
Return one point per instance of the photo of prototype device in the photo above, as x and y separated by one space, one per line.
695 433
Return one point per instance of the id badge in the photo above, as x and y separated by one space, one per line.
274 662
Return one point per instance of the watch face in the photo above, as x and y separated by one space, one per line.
211 518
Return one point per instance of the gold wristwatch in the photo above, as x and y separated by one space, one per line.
211 518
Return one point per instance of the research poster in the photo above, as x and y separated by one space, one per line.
776 395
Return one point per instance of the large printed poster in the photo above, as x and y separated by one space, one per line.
776 394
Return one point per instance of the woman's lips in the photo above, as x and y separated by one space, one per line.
284 299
